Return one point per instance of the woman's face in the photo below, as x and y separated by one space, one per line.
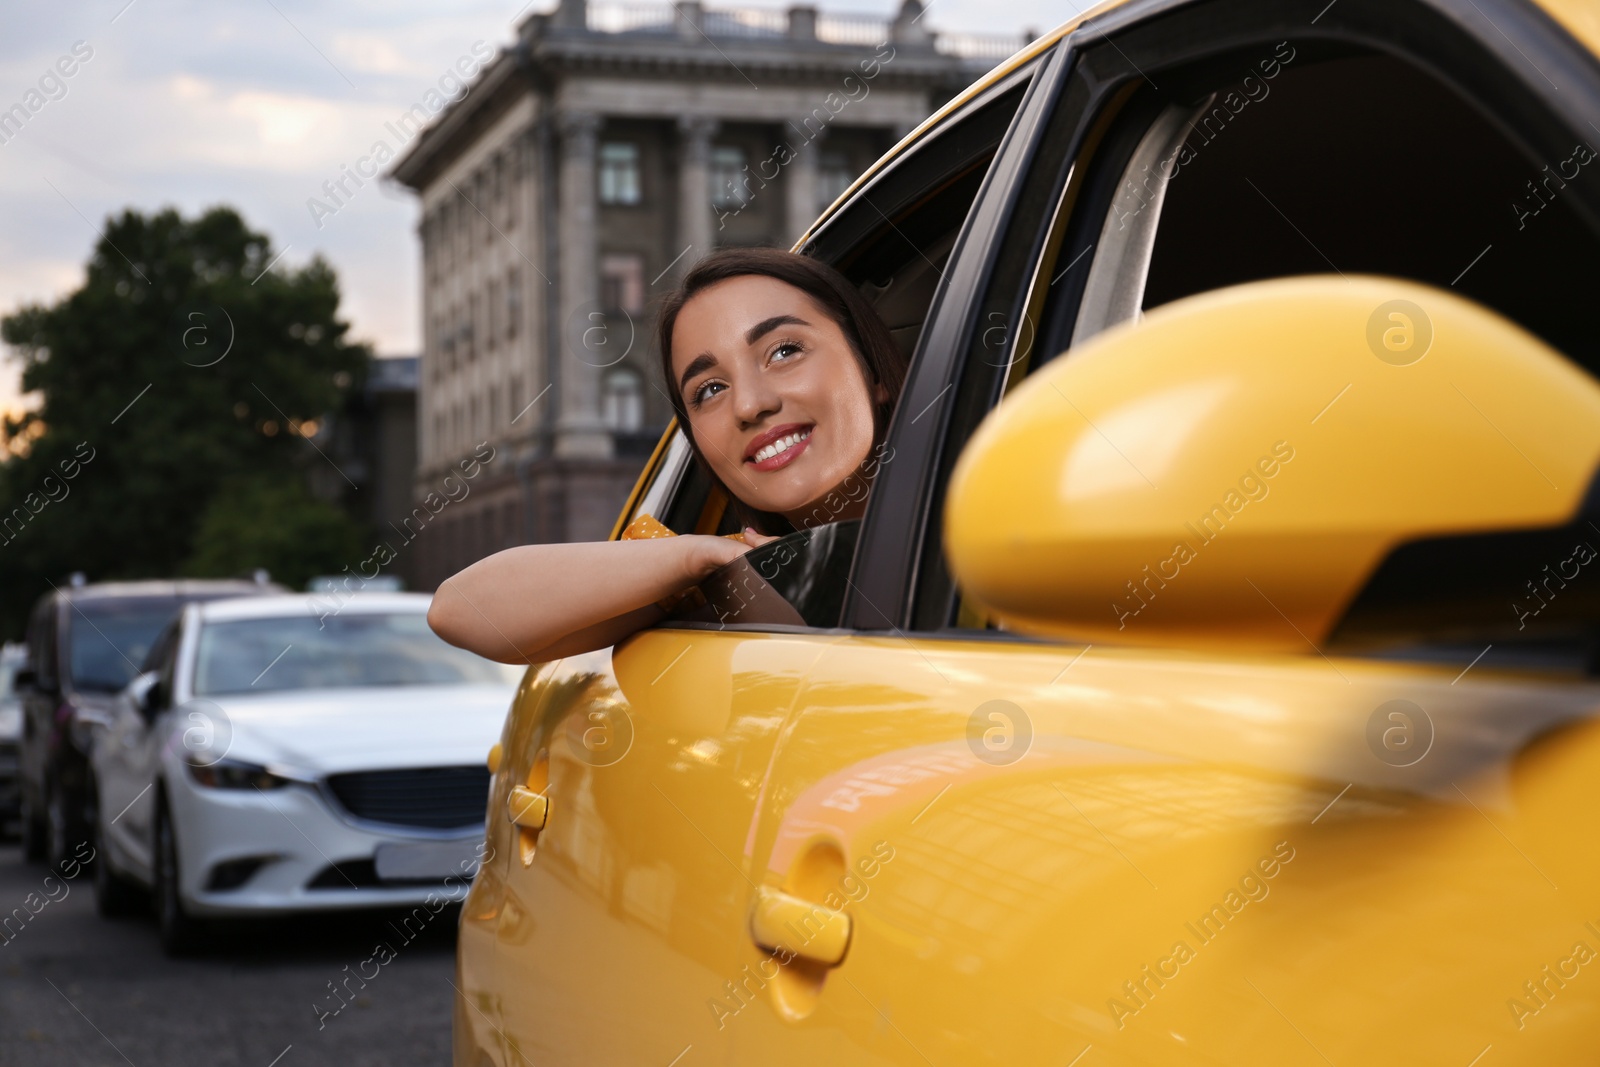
777 400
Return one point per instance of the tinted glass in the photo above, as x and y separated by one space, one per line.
304 652
108 638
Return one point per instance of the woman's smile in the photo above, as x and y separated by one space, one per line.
778 447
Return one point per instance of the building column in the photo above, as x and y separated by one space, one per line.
800 185
695 231
579 431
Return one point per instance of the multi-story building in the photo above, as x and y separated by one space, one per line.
579 175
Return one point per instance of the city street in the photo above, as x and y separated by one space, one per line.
79 989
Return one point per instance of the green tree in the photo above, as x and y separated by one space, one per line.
190 376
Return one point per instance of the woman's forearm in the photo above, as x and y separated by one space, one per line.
529 603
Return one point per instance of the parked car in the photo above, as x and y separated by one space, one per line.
12 657
1211 678
85 642
283 754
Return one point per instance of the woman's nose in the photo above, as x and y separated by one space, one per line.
754 399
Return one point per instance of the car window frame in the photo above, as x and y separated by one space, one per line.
883 572
867 212
1113 54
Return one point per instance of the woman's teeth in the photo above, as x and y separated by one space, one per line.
782 444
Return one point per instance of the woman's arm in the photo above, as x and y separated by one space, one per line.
539 602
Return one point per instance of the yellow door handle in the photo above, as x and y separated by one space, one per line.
527 808
783 923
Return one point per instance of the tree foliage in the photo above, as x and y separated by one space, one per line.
193 374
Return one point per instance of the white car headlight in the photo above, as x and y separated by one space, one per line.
236 774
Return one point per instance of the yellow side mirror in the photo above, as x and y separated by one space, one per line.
1234 469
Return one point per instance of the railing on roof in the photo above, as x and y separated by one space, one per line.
612 16
979 45
625 18
866 30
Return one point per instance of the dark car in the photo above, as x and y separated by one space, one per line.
12 659
85 642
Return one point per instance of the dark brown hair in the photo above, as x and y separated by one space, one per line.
874 347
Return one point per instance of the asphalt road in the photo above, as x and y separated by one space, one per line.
78 989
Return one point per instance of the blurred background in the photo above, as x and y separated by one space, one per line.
337 298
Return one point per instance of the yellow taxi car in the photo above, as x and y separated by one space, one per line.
1212 678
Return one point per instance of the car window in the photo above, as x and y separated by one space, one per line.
108 637
353 649
893 239
1284 164
42 641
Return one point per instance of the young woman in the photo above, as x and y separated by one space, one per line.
784 378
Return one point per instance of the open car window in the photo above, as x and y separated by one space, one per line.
796 580
893 239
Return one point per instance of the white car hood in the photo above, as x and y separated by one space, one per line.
328 731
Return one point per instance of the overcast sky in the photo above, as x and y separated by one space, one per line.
255 103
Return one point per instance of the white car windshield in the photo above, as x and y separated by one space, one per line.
305 652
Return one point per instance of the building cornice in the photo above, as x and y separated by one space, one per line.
548 55
500 85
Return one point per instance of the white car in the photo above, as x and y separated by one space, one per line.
279 754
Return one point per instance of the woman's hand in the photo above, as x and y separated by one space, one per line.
710 553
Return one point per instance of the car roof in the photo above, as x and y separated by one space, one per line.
956 103
178 588
314 604
1580 18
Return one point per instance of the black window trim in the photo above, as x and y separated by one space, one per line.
883 572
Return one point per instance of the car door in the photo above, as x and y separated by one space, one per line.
620 920
1052 852
127 760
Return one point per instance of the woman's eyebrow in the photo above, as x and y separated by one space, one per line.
703 362
766 326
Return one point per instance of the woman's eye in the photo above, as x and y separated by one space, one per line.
783 351
704 393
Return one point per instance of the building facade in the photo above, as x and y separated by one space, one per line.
576 179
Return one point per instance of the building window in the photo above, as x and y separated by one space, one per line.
471 326
513 302
430 248
622 401
834 176
619 173
730 185
513 184
492 334
512 535
622 283
441 344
